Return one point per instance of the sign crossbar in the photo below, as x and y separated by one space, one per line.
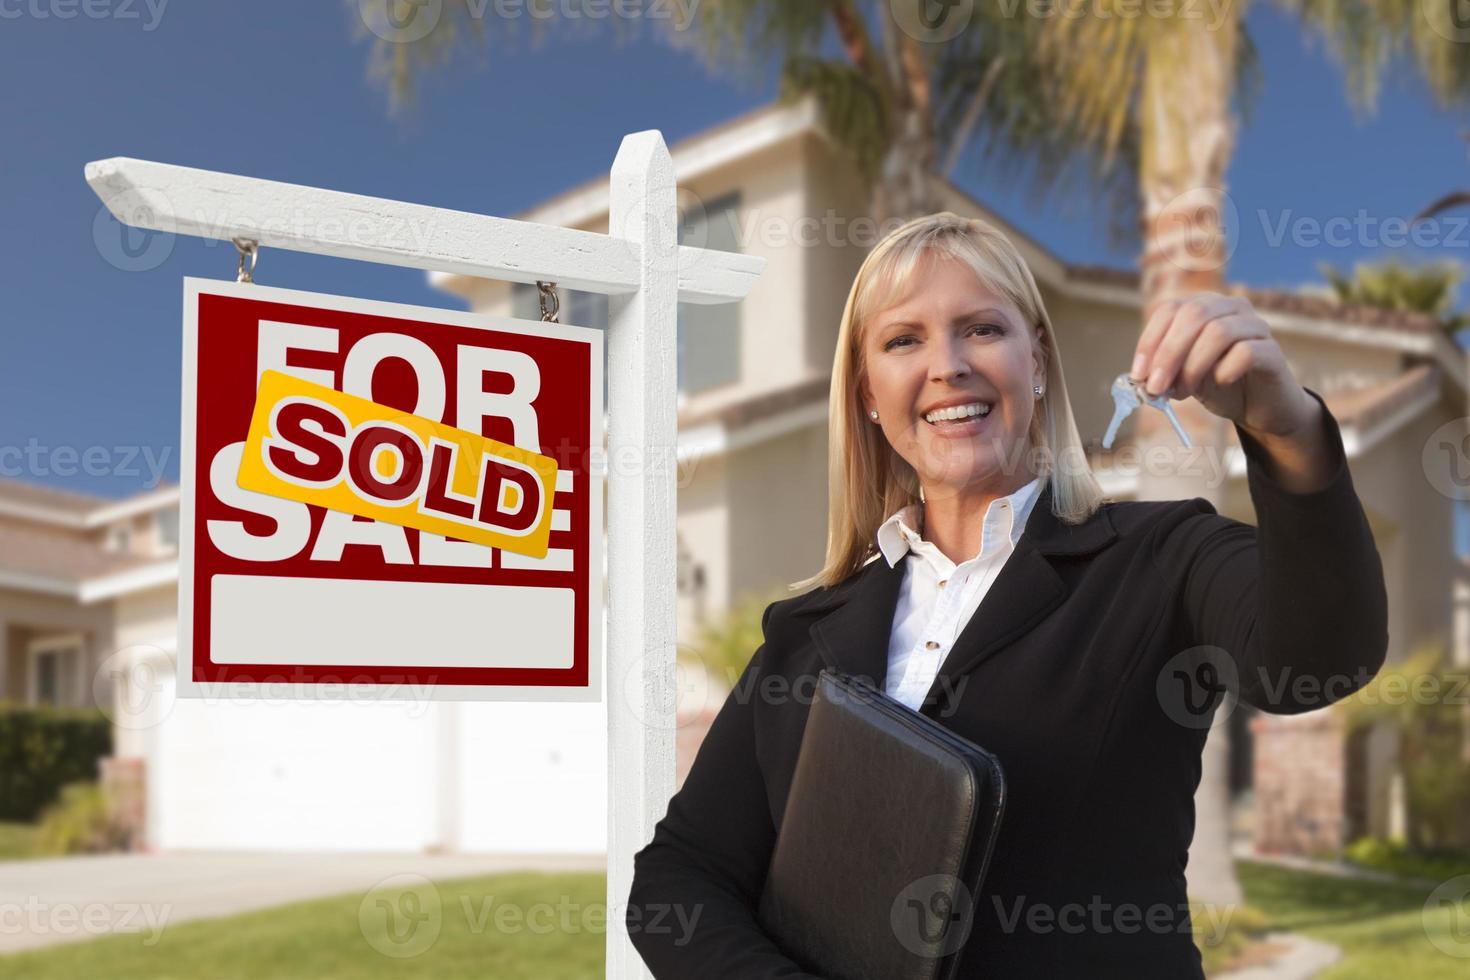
209 204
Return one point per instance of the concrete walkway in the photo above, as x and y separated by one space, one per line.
1291 957
59 900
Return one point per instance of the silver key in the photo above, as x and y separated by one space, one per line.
1125 399
1161 402
1127 396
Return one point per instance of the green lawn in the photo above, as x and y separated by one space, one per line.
17 840
552 927
324 938
1380 927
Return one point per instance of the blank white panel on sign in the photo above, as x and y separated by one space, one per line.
355 622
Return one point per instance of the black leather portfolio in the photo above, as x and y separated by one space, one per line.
884 842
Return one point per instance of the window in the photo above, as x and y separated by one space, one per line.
709 336
168 529
55 671
120 538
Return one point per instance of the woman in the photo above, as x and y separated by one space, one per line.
1106 633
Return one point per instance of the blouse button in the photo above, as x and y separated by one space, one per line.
942 581
931 645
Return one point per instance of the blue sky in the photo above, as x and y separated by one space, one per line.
279 89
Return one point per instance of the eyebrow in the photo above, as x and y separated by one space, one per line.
983 311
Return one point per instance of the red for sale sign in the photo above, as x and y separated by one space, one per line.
383 500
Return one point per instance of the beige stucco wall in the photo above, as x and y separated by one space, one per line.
778 512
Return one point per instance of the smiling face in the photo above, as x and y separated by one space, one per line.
954 346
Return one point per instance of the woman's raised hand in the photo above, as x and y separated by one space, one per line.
1217 349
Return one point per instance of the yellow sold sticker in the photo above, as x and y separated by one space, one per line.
320 446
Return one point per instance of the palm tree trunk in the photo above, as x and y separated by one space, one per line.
1189 134
907 185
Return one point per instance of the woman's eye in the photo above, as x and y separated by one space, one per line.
977 327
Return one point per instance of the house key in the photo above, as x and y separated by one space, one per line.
1127 396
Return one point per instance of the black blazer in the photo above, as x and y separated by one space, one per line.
1083 670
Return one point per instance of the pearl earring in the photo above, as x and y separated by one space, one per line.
921 493
874 414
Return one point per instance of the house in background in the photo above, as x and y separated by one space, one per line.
80 578
754 381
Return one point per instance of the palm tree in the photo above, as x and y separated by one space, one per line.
902 108
1392 285
1174 83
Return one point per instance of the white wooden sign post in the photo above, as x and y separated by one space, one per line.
645 273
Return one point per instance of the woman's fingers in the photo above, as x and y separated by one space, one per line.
1213 343
1171 335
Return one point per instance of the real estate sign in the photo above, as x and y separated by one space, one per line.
383 500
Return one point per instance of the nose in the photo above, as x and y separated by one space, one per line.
948 360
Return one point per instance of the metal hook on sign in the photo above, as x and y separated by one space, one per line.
549 303
246 247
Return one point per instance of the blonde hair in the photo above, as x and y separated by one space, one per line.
868 480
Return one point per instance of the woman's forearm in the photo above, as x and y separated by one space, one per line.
1300 461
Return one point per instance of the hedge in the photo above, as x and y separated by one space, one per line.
43 749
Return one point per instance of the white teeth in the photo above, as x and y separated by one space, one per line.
957 412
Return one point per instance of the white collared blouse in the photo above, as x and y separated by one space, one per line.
937 596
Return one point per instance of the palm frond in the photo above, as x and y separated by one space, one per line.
853 111
1366 36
